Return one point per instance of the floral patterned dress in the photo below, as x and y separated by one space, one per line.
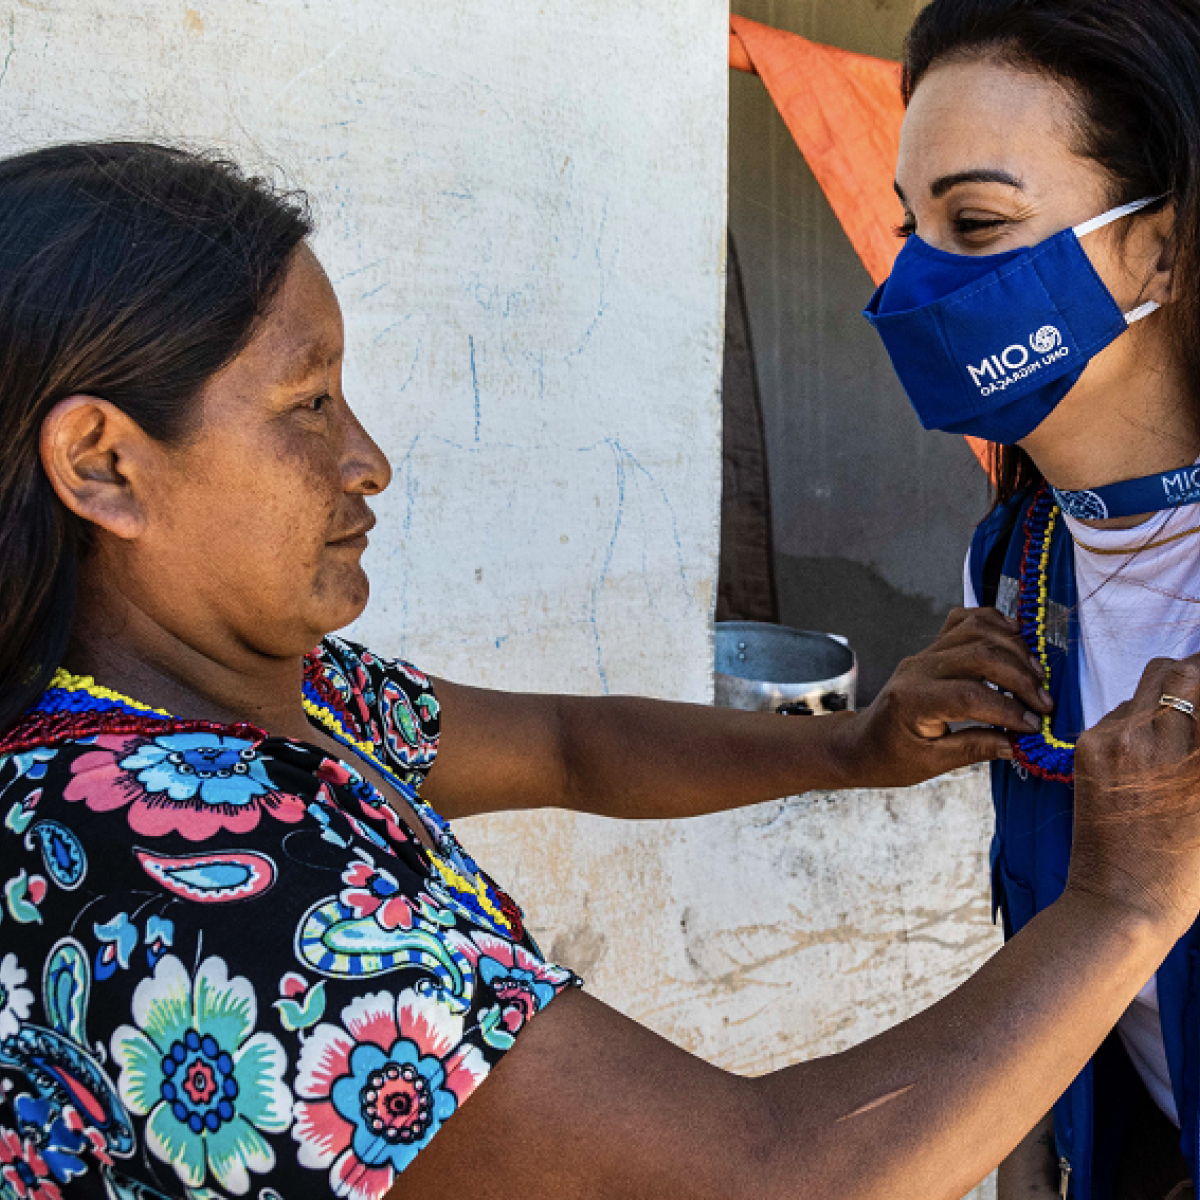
227 967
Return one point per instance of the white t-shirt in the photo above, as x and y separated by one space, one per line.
1134 605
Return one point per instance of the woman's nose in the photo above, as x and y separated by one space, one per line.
365 468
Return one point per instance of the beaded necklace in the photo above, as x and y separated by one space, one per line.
74 707
1041 753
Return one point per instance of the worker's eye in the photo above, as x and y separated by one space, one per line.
965 226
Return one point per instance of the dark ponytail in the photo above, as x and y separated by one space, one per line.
128 271
1134 69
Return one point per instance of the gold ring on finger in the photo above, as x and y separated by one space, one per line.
1184 706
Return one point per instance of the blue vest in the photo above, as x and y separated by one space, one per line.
1030 855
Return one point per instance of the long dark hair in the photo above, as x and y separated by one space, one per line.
1134 69
129 271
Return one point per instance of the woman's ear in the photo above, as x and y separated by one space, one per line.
90 451
1162 243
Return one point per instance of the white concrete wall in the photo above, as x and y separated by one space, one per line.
522 205
761 938
766 937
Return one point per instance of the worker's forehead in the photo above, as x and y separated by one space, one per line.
981 119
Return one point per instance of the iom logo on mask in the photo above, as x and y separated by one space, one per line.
1046 339
1016 363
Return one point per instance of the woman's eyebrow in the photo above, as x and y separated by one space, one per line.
317 358
947 183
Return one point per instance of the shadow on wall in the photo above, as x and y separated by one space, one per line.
883 624
746 584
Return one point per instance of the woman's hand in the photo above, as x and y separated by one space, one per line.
906 736
1137 800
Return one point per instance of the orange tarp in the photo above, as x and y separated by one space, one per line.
845 112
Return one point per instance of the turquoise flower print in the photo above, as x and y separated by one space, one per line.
373 1091
209 1086
118 940
160 934
220 770
300 1007
194 784
23 893
15 999
31 765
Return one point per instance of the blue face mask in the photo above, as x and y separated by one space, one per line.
988 346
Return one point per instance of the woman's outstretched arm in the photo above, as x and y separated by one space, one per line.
626 757
589 1105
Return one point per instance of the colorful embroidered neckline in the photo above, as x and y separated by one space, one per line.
1041 753
74 707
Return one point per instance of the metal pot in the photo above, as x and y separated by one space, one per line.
790 671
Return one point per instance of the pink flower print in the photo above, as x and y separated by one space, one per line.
23 1170
194 784
335 773
373 892
371 803
373 1091
522 983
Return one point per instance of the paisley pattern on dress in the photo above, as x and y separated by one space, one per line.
228 967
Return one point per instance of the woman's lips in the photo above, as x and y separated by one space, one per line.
356 539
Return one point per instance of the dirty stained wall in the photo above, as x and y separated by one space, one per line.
522 207
761 938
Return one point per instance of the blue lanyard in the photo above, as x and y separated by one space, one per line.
1154 493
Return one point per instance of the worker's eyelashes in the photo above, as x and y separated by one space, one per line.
963 226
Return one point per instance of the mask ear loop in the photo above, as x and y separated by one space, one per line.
1139 314
1126 210
1115 214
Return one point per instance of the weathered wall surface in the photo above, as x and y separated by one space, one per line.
761 938
766 937
523 208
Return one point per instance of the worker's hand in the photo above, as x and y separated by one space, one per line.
1137 800
905 736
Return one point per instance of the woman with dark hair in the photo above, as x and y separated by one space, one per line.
240 950
1048 300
